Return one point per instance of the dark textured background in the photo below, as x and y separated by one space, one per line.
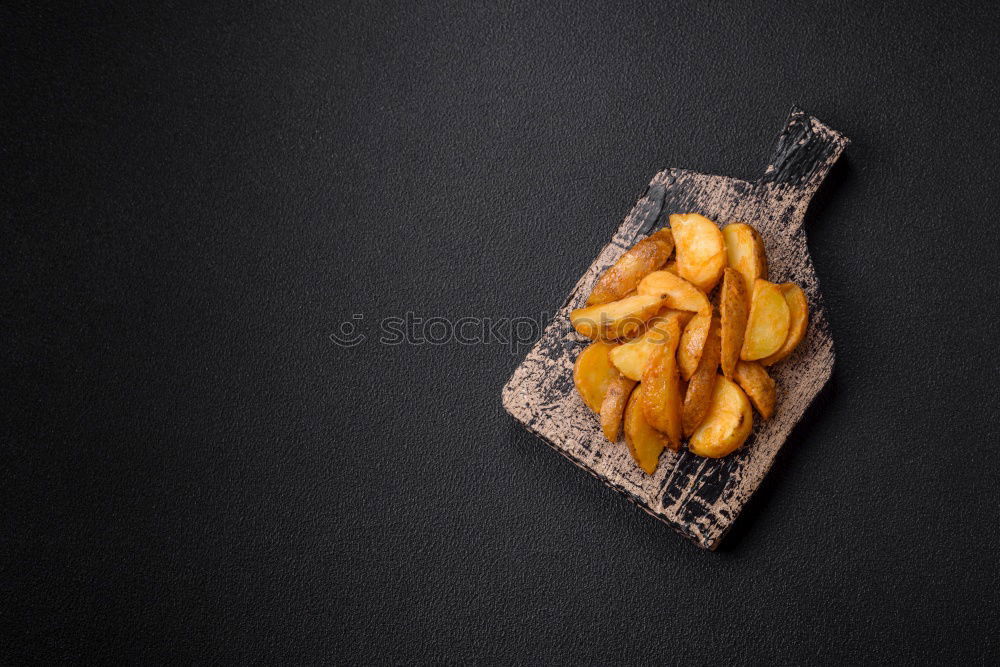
195 196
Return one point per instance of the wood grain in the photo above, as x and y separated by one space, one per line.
698 497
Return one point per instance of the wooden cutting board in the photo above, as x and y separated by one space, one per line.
698 497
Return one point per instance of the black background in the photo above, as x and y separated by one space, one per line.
196 196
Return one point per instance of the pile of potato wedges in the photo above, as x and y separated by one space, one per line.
684 326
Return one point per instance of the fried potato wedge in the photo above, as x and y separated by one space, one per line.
693 343
745 252
798 307
613 407
728 423
631 358
701 249
593 373
758 385
698 395
671 266
644 257
661 394
676 292
619 319
644 442
767 325
734 306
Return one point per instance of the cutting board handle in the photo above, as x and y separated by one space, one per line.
804 153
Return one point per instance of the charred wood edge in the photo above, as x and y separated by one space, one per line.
805 151
651 202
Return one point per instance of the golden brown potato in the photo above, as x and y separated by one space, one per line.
701 250
698 397
632 357
728 423
745 251
661 394
693 343
613 407
798 307
734 305
682 316
645 443
676 292
767 325
644 257
619 319
671 266
593 372
758 385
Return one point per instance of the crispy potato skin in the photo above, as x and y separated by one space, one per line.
693 343
745 252
728 423
701 249
698 396
644 257
613 407
767 325
798 308
676 292
632 357
661 395
593 373
758 385
645 443
619 319
734 304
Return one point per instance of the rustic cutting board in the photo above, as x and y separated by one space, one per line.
699 497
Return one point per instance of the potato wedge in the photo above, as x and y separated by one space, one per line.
701 250
745 252
644 257
798 308
676 292
671 266
644 442
767 325
593 373
661 394
613 407
619 319
631 358
758 385
698 396
693 343
728 423
734 306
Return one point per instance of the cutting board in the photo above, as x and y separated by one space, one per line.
698 497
